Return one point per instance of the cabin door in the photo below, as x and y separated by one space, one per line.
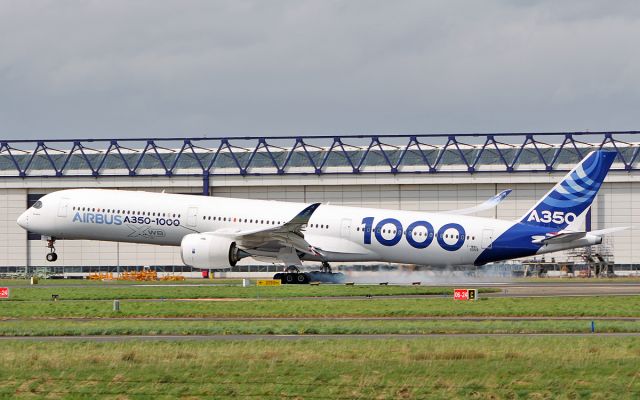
63 207
487 238
192 216
345 228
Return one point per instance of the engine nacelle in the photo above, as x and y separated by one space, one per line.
208 251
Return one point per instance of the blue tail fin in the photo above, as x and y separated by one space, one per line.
572 196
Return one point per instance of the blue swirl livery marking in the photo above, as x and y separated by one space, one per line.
565 202
574 194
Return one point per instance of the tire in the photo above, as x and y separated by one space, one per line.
52 257
289 278
302 279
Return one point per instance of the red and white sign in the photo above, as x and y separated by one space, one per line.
461 294
4 292
465 294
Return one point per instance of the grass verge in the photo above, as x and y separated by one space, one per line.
148 291
306 327
436 368
606 306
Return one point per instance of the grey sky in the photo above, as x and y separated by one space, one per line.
195 68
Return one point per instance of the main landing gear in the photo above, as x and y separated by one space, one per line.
292 275
51 255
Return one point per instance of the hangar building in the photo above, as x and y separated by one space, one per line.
412 172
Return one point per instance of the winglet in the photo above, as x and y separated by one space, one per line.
487 205
303 216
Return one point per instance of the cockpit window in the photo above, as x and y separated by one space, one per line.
37 204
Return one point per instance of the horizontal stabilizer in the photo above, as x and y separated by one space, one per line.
570 236
487 205
608 231
559 237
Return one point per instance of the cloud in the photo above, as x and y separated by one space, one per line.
190 68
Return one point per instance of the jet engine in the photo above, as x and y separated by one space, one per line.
209 251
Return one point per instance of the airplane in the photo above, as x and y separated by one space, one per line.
215 233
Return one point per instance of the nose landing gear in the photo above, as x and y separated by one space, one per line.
52 256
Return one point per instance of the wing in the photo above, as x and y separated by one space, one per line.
286 236
487 205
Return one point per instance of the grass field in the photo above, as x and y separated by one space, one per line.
302 327
185 291
435 368
611 306
345 368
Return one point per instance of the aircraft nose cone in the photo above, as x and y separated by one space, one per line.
23 220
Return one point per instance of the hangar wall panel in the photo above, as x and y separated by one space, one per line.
618 204
13 246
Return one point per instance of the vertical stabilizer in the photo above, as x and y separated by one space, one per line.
571 197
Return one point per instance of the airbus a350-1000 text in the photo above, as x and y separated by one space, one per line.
215 232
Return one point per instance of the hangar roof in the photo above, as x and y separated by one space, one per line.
464 153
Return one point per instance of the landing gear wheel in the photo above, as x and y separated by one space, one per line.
51 256
303 278
289 278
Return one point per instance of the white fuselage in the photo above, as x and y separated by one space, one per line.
164 219
342 233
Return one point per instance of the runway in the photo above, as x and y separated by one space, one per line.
245 338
